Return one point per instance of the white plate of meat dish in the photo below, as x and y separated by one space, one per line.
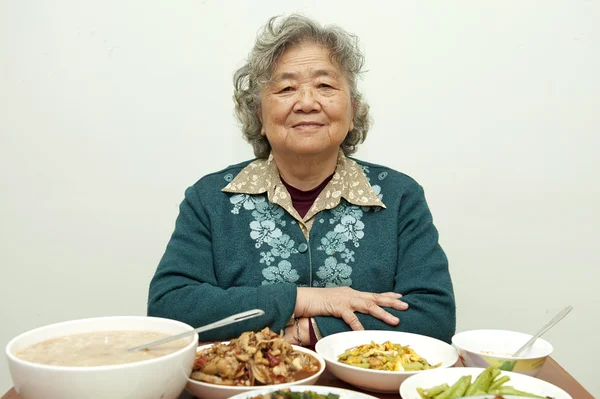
303 392
253 361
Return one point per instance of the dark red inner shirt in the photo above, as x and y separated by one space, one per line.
303 200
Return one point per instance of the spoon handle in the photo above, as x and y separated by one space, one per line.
543 330
226 321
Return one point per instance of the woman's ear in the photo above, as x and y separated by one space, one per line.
354 105
262 126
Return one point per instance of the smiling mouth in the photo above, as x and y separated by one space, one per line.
307 125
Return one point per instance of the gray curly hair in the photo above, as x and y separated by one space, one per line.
270 44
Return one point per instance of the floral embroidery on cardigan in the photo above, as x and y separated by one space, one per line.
257 188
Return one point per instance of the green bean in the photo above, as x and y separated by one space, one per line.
498 382
458 388
431 392
461 387
480 382
446 394
473 387
487 380
421 392
495 373
412 366
508 390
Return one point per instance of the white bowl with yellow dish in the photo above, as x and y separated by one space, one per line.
433 351
483 348
69 370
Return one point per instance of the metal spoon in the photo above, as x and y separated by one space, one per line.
548 326
228 320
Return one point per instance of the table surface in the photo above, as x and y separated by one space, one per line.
551 372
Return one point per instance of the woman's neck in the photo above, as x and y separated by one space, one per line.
305 172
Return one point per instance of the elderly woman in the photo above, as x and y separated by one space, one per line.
321 242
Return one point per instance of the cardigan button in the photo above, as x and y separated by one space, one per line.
302 248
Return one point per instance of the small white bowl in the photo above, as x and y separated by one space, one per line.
483 348
524 383
214 391
330 347
163 377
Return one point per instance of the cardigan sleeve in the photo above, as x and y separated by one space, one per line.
422 277
185 287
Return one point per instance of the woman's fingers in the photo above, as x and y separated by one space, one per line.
350 318
391 294
371 307
387 299
373 303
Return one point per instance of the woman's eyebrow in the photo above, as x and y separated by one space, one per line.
324 72
314 73
285 76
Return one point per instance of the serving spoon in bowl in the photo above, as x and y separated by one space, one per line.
543 330
223 322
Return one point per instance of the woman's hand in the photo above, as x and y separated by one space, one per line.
342 302
302 325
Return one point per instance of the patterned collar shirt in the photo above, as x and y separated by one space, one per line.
348 182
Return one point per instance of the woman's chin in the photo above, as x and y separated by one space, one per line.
311 147
312 151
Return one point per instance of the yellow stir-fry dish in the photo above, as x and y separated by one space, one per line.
386 356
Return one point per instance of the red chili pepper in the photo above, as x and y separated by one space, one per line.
273 360
200 362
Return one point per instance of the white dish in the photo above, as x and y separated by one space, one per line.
343 393
214 391
495 397
483 348
525 383
433 350
163 377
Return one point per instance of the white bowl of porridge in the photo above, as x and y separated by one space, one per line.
87 358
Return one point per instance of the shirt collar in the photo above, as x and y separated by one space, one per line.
348 182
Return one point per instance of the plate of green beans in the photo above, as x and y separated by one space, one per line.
462 382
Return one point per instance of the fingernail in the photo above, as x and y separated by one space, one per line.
395 319
404 305
398 295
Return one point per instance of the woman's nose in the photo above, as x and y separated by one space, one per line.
307 101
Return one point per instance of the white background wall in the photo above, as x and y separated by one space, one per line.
110 109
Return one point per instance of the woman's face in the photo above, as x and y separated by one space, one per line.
306 109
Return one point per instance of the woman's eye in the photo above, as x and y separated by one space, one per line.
324 86
286 89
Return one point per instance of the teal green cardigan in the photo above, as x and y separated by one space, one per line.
232 252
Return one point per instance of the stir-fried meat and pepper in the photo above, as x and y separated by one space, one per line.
261 358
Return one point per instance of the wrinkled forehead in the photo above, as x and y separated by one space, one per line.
281 69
